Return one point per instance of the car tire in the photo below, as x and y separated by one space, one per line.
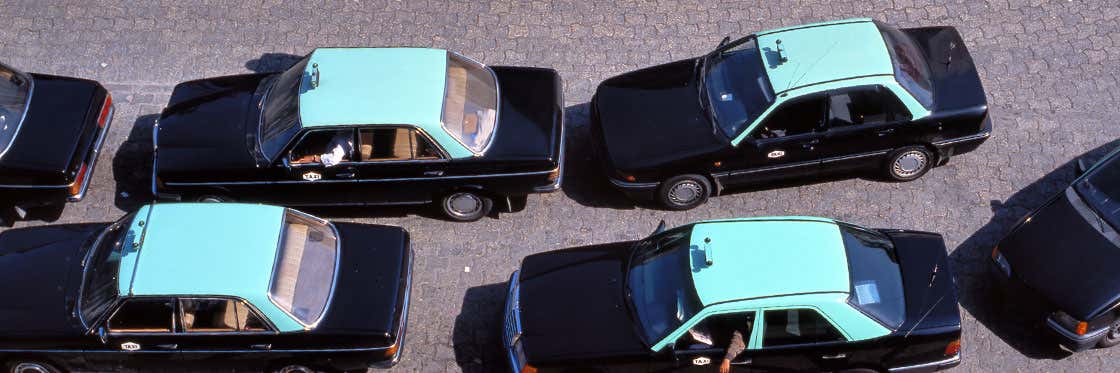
1112 337
909 163
684 192
295 368
30 366
466 206
212 198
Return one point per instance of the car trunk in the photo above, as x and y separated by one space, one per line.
530 120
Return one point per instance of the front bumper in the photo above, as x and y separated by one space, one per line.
511 324
639 191
1074 342
93 155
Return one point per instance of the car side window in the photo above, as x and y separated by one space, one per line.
865 105
216 315
724 332
144 315
797 326
326 147
801 116
394 144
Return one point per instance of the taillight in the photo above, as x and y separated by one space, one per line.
630 178
392 350
554 175
76 187
528 369
953 348
105 108
1082 327
1001 262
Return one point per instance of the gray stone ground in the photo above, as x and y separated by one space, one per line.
1050 69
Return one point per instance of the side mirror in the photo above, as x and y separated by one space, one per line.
726 39
660 227
1083 166
102 334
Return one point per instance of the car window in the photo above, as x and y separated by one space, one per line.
15 90
394 144
215 315
866 105
797 326
470 105
305 268
144 315
719 332
793 118
324 147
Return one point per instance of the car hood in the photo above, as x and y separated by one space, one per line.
210 125
653 117
40 274
572 305
1064 258
369 296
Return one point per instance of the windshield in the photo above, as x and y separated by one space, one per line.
280 112
875 275
737 87
1101 189
15 89
470 103
305 267
102 264
910 68
660 284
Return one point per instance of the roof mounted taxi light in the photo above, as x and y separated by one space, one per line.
709 257
314 75
782 57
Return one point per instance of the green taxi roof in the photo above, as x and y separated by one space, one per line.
372 86
766 257
824 52
217 249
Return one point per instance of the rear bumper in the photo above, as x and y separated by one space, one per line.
92 157
641 191
929 367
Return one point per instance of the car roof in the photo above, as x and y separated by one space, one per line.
205 249
378 86
824 52
767 257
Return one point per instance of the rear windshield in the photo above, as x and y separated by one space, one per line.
305 267
910 68
875 275
15 89
470 105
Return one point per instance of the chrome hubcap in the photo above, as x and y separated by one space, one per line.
686 192
30 368
909 164
463 204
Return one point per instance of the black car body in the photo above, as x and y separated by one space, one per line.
569 310
1057 260
51 131
659 133
55 326
209 145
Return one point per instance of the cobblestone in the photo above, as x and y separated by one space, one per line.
1050 69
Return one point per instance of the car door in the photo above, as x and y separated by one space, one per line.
704 346
397 164
319 169
785 144
225 331
799 340
139 335
864 124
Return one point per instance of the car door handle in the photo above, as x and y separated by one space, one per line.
834 357
261 347
433 173
742 362
885 132
346 175
168 346
810 145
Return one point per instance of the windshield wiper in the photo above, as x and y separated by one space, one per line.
702 93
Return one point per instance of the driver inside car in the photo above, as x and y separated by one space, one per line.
737 344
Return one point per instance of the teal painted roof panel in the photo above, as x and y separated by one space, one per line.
824 52
220 249
754 258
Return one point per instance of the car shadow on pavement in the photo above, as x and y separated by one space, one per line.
272 62
1022 329
477 334
132 166
584 181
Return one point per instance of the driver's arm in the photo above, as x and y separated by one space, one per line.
735 347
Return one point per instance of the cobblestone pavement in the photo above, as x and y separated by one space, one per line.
1050 69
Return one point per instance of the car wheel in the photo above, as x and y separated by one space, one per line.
295 369
31 367
909 163
1111 338
684 192
466 206
212 198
